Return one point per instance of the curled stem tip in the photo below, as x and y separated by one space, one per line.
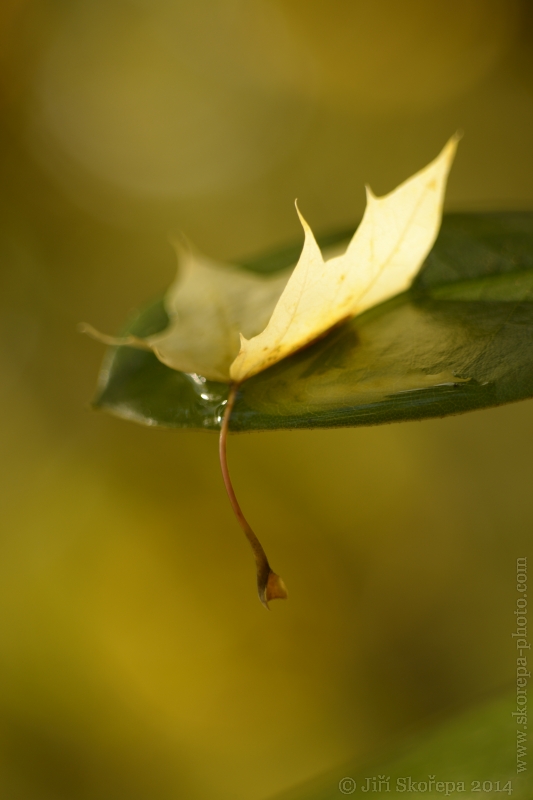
269 585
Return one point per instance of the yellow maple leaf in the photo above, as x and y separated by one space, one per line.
211 305
395 235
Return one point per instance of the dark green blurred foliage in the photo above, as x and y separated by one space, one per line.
136 661
472 754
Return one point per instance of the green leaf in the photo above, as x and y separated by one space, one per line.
460 339
478 748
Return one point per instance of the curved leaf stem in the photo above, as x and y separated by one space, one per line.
269 585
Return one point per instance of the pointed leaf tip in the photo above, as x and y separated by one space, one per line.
303 221
369 194
112 341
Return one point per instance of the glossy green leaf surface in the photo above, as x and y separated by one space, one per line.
460 339
477 754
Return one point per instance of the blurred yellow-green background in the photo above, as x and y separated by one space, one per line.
136 661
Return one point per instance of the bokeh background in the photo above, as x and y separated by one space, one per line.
136 661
